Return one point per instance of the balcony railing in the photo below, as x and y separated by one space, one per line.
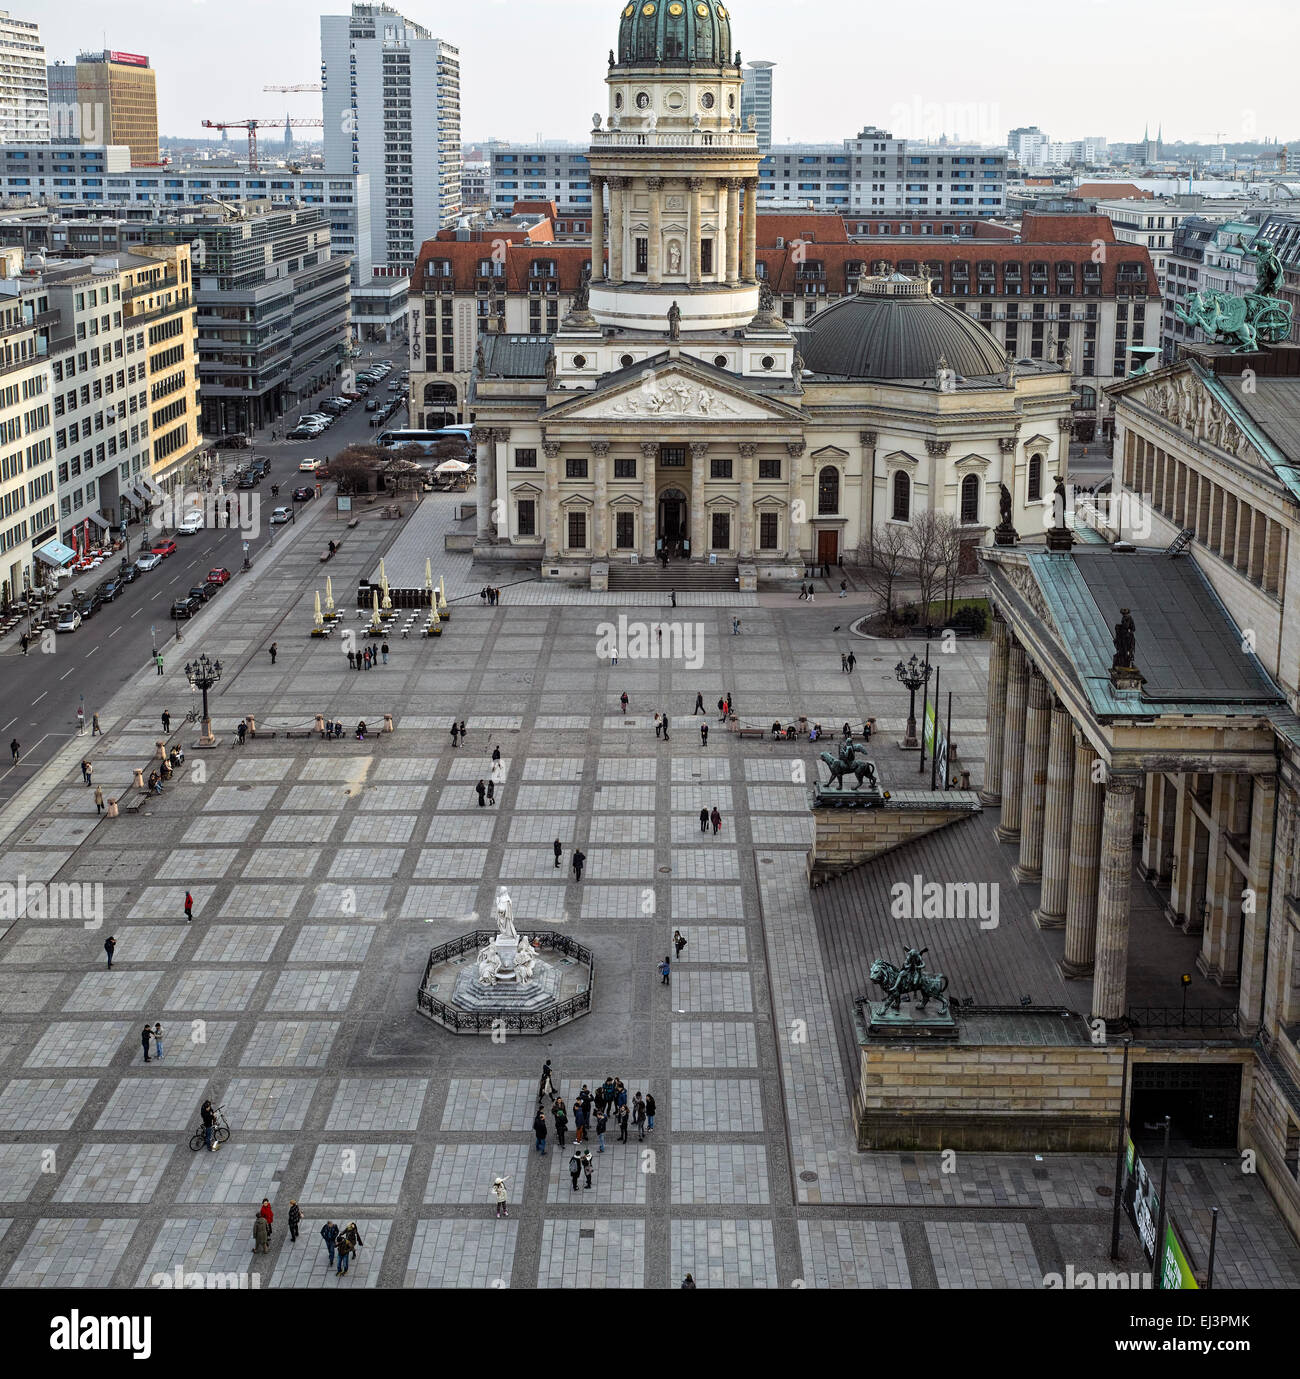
655 138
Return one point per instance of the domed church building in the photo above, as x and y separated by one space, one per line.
674 413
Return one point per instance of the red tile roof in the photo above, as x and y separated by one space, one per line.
465 256
810 225
1108 191
1044 228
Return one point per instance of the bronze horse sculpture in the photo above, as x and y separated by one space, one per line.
897 982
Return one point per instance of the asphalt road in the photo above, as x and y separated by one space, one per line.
40 692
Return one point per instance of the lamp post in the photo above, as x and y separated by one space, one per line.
913 674
202 674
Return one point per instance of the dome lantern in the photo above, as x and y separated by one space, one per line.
655 33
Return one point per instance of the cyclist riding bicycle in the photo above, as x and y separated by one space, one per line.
209 1118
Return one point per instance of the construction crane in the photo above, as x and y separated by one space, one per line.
251 126
301 86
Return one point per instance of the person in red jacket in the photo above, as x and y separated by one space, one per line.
266 1214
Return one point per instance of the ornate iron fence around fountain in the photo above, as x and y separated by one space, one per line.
453 1018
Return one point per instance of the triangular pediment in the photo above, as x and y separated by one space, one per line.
684 389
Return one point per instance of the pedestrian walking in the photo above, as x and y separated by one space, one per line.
638 1115
359 662
561 1118
704 734
540 1130
666 737
189 907
81 720
735 627
463 733
665 971
672 596
496 753
699 704
715 818
499 1192
844 589
621 1115
659 726
261 1235
23 641
157 1040
679 943
99 799
704 818
348 1242
587 1168
546 1087
579 1120
265 1212
167 721
146 1038
329 1233
95 729
559 851
110 946
844 663
455 733
688 1282
575 1167
295 1220
602 1120
274 649
481 790
853 660
14 749
649 1112
579 861
351 659
491 791
158 661
811 594
85 770
622 699
803 590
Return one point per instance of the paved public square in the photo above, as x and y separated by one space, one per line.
322 874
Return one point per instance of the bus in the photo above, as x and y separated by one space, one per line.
452 442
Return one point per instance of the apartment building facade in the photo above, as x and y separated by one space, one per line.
24 92
756 100
107 97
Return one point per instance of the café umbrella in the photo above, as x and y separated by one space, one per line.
329 594
383 584
451 467
319 620
374 620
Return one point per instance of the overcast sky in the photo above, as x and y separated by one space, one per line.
972 70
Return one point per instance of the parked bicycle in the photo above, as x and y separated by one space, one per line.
220 1130
192 716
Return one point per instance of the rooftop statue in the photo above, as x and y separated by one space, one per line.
1125 641
910 979
674 322
1004 504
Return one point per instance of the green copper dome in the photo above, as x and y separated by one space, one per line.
658 31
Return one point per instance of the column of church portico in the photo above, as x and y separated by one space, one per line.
995 724
1033 800
600 523
745 545
1085 861
735 268
1114 882
616 228
485 472
655 186
1050 913
551 502
1259 872
696 185
1013 744
1217 959
1181 909
500 515
699 457
795 506
751 230
649 501
597 229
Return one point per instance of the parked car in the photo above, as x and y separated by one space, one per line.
88 602
351 394
128 574
186 607
219 575
191 523
235 442
279 516
372 405
247 481
203 592
148 561
301 495
109 588
307 466
164 548
261 466
69 621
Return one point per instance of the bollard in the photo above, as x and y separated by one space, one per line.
388 722
112 807
161 749
320 723
965 780
252 725
139 777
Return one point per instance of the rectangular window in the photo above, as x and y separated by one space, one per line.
721 531
526 459
624 529
720 468
575 468
706 256
672 456
642 255
577 530
527 517
769 469
624 468
767 530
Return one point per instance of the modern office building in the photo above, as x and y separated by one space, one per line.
28 506
756 100
24 95
125 382
106 98
273 310
553 171
391 106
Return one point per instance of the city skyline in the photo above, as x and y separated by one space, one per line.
945 88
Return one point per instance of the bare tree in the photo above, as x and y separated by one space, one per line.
354 469
885 562
924 551
948 539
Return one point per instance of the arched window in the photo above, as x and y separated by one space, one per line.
828 491
1034 492
970 500
1087 398
902 496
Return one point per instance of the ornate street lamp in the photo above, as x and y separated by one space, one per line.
202 674
913 674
